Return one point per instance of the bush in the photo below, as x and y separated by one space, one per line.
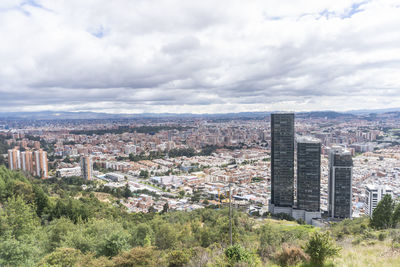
138 256
284 216
178 258
236 254
381 236
320 247
290 255
62 257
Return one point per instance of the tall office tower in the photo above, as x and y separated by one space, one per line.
374 194
282 159
87 168
308 173
340 183
14 159
27 161
41 164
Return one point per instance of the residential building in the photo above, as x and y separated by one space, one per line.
41 164
87 168
374 194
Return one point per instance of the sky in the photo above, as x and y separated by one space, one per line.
208 56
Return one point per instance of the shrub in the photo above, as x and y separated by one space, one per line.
236 254
290 255
178 258
62 257
138 256
381 236
320 247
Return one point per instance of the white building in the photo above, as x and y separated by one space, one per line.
374 194
69 172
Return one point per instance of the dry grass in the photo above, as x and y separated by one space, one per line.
368 254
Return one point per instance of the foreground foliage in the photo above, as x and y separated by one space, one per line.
43 223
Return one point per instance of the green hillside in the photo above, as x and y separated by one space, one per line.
44 223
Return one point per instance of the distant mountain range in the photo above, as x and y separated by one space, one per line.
53 115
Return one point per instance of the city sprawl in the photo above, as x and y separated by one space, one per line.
188 163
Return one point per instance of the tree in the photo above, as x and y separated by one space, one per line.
142 235
41 200
396 215
181 193
321 247
17 218
178 258
144 174
166 236
15 252
127 192
165 207
138 256
382 216
63 257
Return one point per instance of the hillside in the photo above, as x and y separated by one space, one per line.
53 223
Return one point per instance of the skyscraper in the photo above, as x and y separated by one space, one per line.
340 183
308 173
34 163
87 168
41 164
27 161
14 159
282 159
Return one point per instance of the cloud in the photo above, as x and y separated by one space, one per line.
199 56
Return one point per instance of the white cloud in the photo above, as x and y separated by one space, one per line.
199 56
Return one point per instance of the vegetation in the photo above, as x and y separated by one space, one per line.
54 223
320 248
386 214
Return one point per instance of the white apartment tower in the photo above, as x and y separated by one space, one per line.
374 194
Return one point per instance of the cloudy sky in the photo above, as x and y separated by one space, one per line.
208 56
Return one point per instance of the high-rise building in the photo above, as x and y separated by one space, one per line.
27 161
41 164
374 194
308 173
34 163
87 168
282 159
14 159
340 183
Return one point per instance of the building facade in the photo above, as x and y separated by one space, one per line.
308 174
14 159
87 168
282 159
374 194
41 164
340 183
34 163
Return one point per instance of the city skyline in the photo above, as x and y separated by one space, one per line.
185 57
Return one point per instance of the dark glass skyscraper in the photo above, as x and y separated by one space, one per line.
282 159
308 173
340 183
